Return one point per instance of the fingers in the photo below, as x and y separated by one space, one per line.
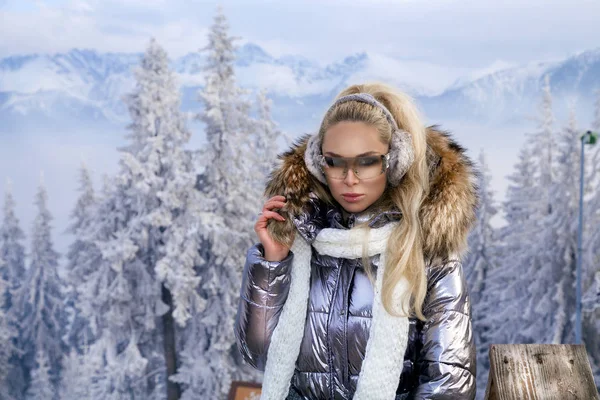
267 213
271 205
261 223
274 202
272 214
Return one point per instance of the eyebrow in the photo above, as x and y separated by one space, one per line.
368 153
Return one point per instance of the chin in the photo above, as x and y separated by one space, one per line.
353 207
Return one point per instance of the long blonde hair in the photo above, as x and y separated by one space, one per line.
404 256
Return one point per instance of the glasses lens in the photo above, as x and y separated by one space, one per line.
368 167
364 167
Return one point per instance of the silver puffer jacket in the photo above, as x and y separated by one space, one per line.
439 362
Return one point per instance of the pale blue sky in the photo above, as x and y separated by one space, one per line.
472 34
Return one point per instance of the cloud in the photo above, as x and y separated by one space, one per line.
450 32
103 26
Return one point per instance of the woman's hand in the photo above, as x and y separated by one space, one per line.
274 251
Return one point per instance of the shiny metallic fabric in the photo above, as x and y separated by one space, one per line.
439 362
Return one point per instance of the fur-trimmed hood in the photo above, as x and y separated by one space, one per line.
447 214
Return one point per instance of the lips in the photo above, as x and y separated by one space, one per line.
352 196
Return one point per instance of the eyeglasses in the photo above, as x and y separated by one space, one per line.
364 167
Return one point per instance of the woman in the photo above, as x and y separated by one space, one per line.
356 289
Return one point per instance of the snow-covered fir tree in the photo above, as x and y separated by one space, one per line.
146 225
78 333
550 302
76 378
591 324
8 335
537 318
591 300
12 252
591 252
267 138
506 285
520 284
91 279
231 199
543 142
482 240
482 258
41 386
40 301
562 232
113 308
115 373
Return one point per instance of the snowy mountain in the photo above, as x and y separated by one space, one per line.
83 86
511 95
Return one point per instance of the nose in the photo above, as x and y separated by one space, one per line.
351 178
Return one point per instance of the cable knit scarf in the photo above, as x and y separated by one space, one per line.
380 373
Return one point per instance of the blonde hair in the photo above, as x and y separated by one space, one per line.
404 256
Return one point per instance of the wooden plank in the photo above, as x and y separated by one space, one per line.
540 371
241 390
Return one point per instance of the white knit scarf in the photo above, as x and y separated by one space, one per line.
380 373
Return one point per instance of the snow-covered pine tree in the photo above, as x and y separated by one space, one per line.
482 258
506 288
116 372
591 325
147 237
82 320
591 300
78 332
267 138
537 264
591 251
12 251
41 386
482 238
543 143
93 272
76 379
40 302
8 335
561 232
592 209
231 199
118 298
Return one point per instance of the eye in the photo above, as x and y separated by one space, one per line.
334 162
368 161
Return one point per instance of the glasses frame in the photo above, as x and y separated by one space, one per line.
385 164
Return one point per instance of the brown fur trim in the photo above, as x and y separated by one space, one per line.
449 211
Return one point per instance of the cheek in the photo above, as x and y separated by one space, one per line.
377 187
336 187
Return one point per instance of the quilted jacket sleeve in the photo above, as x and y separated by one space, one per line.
264 290
447 361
